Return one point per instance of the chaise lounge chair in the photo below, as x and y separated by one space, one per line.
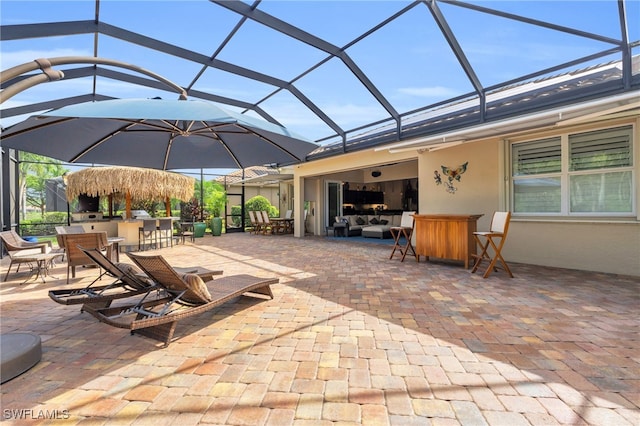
129 281
185 296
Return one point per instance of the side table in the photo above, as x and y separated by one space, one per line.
339 229
42 262
115 247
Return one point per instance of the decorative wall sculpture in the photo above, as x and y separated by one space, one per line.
451 176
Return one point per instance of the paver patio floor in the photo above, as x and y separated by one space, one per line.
350 337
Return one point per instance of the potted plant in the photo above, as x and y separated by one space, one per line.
216 225
217 199
199 229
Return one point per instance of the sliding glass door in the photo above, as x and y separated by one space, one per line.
333 201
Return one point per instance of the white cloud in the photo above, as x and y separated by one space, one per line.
351 113
302 121
11 59
429 92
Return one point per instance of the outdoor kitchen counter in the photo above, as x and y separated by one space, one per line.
128 229
108 226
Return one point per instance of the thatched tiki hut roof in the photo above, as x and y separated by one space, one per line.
135 183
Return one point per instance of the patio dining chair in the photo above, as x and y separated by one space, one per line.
255 225
262 226
184 230
498 231
272 227
289 225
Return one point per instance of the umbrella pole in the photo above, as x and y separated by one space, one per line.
128 205
167 206
110 206
201 194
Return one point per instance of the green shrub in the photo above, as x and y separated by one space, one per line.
236 211
37 226
260 203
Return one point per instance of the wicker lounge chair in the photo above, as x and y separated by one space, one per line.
184 297
129 281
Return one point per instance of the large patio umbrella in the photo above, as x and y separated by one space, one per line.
157 134
132 182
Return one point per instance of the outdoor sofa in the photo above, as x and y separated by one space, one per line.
372 226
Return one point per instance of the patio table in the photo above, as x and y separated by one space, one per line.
42 262
115 247
287 223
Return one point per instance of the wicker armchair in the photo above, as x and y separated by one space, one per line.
17 248
77 257
72 229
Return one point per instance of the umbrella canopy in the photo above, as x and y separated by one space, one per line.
157 134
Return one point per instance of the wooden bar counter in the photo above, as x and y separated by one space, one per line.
446 236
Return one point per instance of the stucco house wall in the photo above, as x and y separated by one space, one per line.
601 244
269 192
477 190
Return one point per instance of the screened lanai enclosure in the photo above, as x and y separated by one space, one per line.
348 75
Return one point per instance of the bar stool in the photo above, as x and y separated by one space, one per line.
165 231
498 231
404 230
147 233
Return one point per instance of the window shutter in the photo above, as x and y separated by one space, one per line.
539 157
601 149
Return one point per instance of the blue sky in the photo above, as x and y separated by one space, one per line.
408 60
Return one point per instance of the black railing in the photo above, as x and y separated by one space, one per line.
38 229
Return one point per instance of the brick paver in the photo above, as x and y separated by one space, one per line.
350 337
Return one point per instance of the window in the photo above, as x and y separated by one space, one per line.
588 173
537 170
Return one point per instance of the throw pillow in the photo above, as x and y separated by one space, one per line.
383 221
360 221
386 217
374 221
344 220
198 291
133 270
